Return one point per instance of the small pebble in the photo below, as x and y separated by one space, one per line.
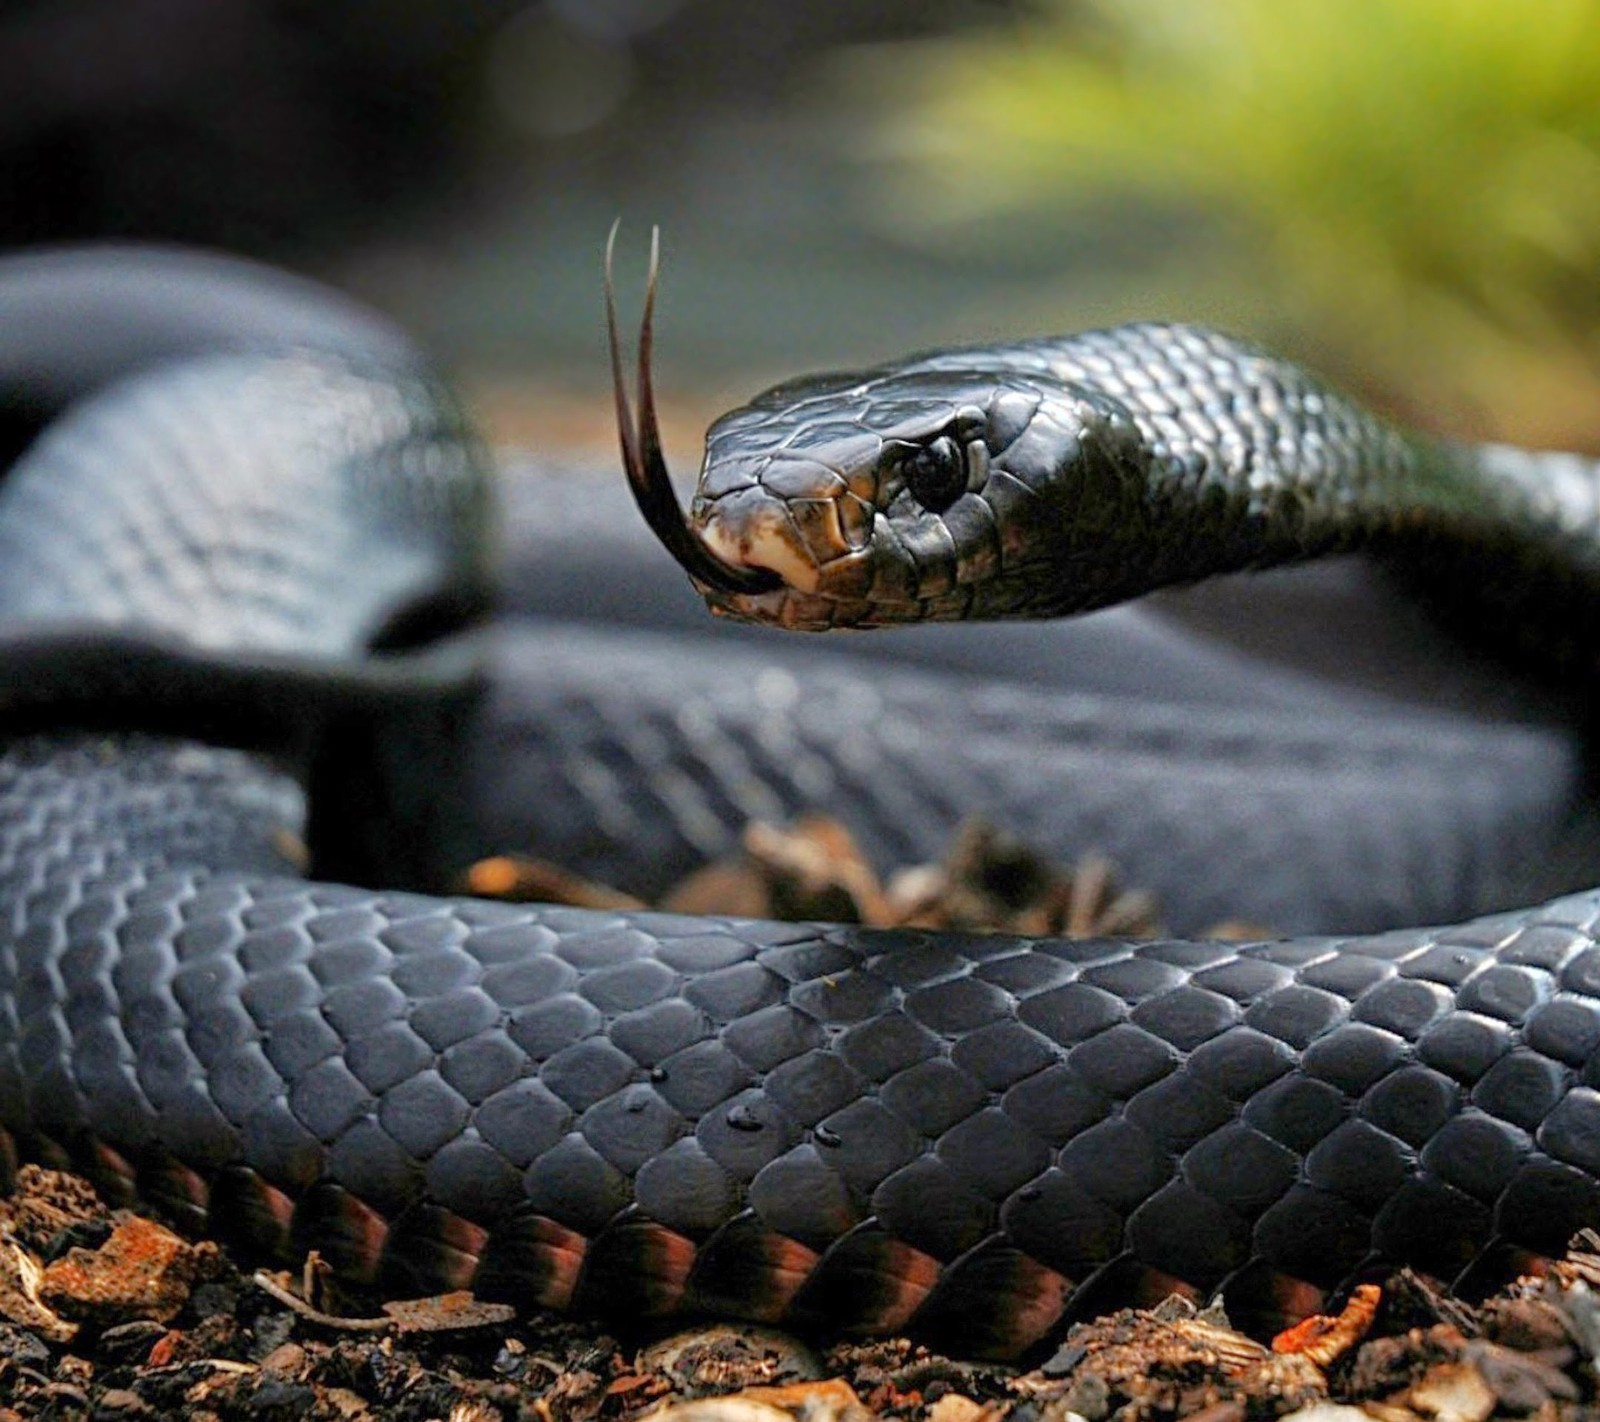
18 1345
1528 1325
119 1402
1327 1412
288 1359
131 1342
275 1396
215 1296
953 1407
1453 1392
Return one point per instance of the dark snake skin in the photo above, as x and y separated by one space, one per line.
972 1138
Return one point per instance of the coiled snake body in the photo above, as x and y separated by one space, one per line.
211 570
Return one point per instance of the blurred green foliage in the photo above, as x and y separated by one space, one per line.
1419 180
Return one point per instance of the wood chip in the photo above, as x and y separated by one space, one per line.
143 1270
454 1312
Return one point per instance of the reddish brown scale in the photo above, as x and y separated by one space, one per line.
1261 1298
1123 1283
1497 1265
867 1283
430 1251
635 1269
115 1177
252 1216
179 1194
1151 1286
746 1271
532 1261
992 1301
349 1235
50 1153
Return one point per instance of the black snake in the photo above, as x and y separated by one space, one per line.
249 557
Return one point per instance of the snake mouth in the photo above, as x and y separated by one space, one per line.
641 451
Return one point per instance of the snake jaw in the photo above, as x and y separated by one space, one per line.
641 450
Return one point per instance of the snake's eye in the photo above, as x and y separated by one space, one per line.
935 473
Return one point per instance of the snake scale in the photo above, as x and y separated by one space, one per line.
238 541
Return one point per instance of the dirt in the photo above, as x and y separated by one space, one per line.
110 1315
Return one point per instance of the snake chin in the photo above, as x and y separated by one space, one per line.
767 609
793 611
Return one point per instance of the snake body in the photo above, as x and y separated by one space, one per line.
212 570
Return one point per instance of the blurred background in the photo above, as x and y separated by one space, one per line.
1406 192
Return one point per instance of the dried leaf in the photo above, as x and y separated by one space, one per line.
520 879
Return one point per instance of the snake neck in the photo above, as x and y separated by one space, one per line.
1195 454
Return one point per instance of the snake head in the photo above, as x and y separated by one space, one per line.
914 494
